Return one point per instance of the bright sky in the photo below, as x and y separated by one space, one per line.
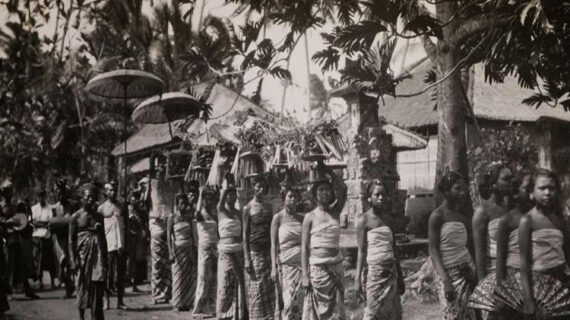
296 98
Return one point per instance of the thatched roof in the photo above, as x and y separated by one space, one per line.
402 139
499 101
149 136
222 100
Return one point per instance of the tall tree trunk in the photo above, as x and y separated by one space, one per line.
452 149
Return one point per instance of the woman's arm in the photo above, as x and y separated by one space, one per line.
246 230
401 283
434 234
73 243
305 245
169 228
221 206
525 233
361 258
503 231
275 245
480 221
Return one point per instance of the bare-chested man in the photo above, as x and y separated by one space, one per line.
88 255
115 236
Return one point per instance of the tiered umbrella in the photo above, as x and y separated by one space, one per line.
120 85
165 108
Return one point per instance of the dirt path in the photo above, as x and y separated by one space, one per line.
52 307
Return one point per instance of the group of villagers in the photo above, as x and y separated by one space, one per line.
509 261
211 258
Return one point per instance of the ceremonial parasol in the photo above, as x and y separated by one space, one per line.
165 108
124 84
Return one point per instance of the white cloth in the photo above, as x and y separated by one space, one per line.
207 233
290 243
380 246
514 255
114 225
492 243
453 244
43 214
547 249
162 199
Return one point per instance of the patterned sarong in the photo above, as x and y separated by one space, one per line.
260 288
161 280
463 279
230 303
183 278
206 288
324 300
91 276
292 292
382 297
485 291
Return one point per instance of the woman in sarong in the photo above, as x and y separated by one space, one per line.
207 229
543 238
182 255
495 189
508 250
449 240
136 243
230 303
257 215
321 259
88 255
286 256
161 198
376 247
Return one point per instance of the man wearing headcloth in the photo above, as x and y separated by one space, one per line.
88 254
62 210
115 236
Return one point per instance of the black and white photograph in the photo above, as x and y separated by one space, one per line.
285 159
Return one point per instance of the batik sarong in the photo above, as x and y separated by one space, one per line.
205 301
292 292
324 300
382 297
183 278
91 274
290 271
463 278
485 292
260 288
161 279
231 303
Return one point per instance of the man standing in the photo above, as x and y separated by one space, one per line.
88 254
17 264
62 211
115 236
161 197
43 245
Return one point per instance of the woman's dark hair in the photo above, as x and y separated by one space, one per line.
261 180
541 172
372 184
518 179
490 177
316 186
447 181
285 190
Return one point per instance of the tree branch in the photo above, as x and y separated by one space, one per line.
455 68
475 25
